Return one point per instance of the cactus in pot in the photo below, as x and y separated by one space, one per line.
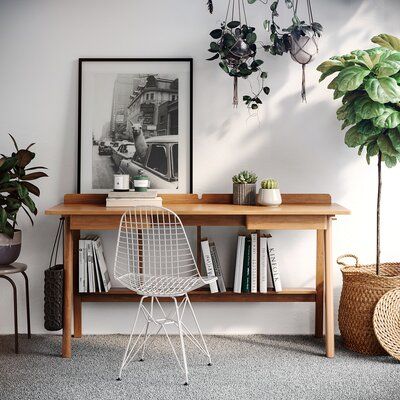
244 188
269 194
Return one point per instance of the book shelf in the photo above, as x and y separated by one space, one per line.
297 212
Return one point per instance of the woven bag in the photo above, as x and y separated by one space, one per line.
54 286
362 289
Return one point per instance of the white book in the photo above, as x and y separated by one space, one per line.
217 267
131 194
90 267
157 201
82 267
253 269
97 272
274 266
98 245
237 286
264 264
205 247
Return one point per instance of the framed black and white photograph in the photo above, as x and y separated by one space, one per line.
135 117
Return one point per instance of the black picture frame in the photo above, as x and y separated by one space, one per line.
81 61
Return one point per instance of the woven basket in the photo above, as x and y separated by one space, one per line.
362 289
387 322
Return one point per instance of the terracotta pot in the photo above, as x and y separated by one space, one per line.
10 247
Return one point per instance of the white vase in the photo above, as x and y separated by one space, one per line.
269 197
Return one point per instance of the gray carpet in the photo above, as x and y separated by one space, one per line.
245 367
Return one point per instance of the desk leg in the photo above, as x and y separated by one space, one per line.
198 247
77 297
68 289
319 285
329 318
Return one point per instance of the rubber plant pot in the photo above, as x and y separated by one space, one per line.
10 248
270 197
244 193
361 291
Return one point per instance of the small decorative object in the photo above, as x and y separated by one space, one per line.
269 194
235 45
141 182
16 188
244 188
387 322
300 38
144 105
368 84
121 183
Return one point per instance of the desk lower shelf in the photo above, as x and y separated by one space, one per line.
287 295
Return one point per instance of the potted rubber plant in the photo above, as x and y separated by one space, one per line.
368 84
269 194
244 188
16 190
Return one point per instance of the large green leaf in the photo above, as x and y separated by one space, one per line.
383 90
329 64
389 160
3 218
353 138
389 119
367 128
394 136
388 41
7 163
372 149
386 146
351 78
388 65
367 108
342 112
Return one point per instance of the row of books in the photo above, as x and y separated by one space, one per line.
256 259
93 272
132 199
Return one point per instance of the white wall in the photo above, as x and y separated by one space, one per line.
299 144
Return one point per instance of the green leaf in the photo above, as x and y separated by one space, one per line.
388 65
224 67
333 84
342 112
254 106
372 149
388 41
233 24
353 138
22 191
329 64
383 90
389 119
251 1
386 146
390 161
267 24
30 204
216 33
367 128
3 218
338 94
7 163
251 37
394 136
351 78
27 213
367 108
264 75
214 57
15 143
31 188
214 46
266 90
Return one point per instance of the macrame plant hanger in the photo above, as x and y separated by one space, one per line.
304 49
237 53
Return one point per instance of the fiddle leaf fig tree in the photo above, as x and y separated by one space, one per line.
368 82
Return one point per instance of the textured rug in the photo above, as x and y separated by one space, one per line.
244 367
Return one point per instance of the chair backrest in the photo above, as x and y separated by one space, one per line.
152 241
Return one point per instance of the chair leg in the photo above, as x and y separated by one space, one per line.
198 328
179 316
28 312
147 329
15 312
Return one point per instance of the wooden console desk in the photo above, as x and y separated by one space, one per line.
298 211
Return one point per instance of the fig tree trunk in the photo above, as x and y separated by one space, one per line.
378 214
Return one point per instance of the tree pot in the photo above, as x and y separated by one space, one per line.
270 197
244 193
10 247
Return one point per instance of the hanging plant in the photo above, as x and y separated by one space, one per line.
235 46
299 39
210 6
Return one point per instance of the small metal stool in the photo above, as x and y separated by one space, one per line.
14 269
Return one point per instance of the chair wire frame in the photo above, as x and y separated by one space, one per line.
154 259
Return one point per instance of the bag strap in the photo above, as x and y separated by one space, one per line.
340 262
56 244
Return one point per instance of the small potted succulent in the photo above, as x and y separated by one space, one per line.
269 194
16 188
244 188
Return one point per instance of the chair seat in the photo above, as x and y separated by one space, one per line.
12 268
164 285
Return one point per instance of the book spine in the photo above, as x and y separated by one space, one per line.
103 266
263 265
205 247
246 283
85 266
237 287
254 262
273 263
99 281
88 246
217 267
81 268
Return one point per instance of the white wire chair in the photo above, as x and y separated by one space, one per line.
154 259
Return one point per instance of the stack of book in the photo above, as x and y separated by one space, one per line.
132 199
212 265
93 273
247 260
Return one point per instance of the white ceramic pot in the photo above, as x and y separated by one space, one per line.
269 197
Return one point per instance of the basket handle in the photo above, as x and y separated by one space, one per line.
340 262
